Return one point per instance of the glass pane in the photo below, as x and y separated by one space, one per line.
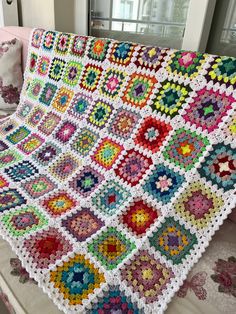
100 8
153 22
130 27
163 10
117 26
125 9
222 38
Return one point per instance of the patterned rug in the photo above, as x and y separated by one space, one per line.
116 170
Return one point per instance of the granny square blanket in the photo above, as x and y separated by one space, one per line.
117 168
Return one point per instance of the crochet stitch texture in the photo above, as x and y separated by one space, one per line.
117 168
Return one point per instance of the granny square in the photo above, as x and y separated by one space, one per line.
47 94
123 123
78 45
46 247
173 240
162 183
186 63
150 57
10 198
86 181
139 90
98 49
100 114
23 221
222 70
110 247
133 167
185 148
121 52
79 105
112 83
91 77
9 157
139 217
35 116
76 279
198 204
31 143
56 69
107 153
208 109
110 197
112 300
38 186
48 40
82 224
72 73
49 123
147 276
62 99
46 154
170 98
62 43
21 171
65 132
152 133
84 141
64 166
58 203
219 166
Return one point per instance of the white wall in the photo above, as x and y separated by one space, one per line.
81 17
62 15
38 13
1 15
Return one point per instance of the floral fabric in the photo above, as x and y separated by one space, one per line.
10 76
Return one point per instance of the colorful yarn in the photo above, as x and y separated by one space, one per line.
116 169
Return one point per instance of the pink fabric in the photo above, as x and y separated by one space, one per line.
22 33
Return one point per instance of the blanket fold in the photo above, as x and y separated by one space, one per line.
117 168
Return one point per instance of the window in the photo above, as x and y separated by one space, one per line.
144 21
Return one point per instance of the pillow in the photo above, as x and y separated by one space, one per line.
11 77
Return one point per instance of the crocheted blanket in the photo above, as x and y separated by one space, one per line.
116 170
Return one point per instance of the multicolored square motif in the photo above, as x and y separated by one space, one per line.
86 181
173 240
147 276
84 141
185 148
133 167
82 224
139 90
23 221
107 153
152 133
139 217
46 247
76 279
111 247
198 204
162 183
58 203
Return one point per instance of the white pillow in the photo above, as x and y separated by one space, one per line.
10 76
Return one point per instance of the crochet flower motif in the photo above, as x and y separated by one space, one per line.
164 183
225 275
